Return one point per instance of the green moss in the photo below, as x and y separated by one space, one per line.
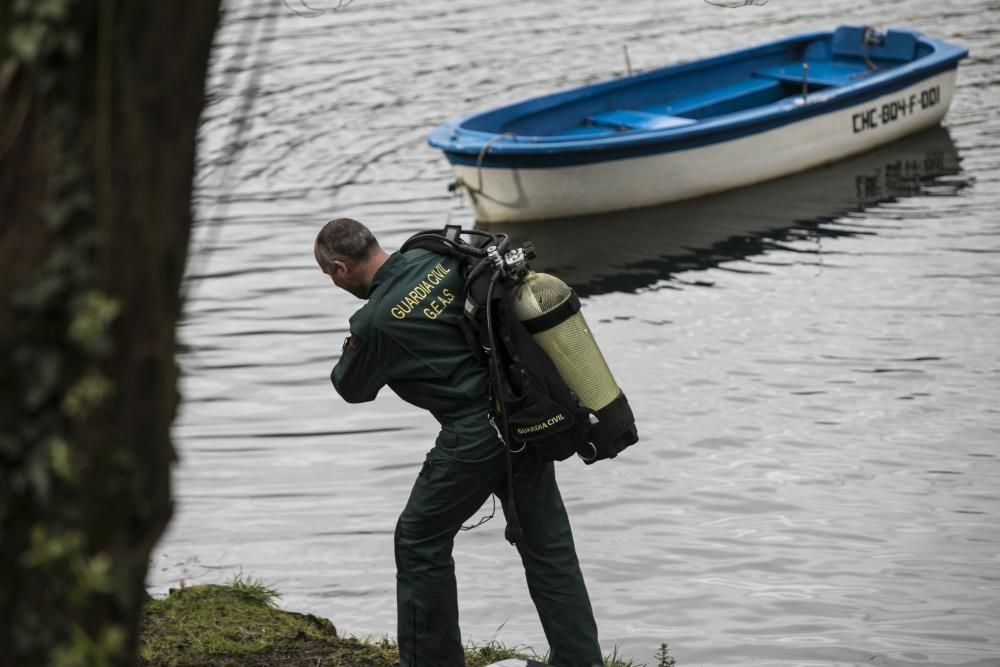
236 625
224 625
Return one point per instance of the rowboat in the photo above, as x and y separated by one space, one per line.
705 126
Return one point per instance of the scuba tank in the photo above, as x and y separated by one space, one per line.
550 310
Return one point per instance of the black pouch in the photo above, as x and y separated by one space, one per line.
612 431
535 419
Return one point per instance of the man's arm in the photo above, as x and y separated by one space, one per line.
360 372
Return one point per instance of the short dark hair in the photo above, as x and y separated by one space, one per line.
347 240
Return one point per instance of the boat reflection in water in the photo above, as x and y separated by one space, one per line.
629 250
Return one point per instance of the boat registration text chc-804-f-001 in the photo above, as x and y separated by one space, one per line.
893 110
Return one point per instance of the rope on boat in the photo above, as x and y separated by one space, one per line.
460 182
871 37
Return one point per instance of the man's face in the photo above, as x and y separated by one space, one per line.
342 275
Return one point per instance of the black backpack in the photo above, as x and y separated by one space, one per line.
532 405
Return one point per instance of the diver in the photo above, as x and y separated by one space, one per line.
406 336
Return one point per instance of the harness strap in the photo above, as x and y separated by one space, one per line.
513 532
550 319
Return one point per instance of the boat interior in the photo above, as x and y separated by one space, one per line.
675 97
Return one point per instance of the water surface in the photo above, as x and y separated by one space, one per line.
814 362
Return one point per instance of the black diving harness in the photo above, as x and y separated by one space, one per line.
513 532
492 255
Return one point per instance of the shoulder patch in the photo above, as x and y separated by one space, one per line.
351 343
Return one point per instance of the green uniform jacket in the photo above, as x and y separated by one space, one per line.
407 337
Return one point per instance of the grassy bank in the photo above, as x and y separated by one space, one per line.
237 625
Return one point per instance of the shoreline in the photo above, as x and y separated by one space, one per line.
237 624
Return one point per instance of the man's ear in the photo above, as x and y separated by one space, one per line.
341 266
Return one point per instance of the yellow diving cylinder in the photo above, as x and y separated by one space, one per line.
550 310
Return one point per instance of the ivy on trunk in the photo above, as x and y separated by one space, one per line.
99 109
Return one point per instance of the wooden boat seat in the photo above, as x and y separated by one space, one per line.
821 73
629 119
687 109
736 96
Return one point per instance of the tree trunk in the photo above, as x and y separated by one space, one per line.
99 109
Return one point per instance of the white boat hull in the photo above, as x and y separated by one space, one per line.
512 195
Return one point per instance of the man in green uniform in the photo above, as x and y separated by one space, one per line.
407 337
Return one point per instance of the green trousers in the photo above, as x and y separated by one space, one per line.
446 493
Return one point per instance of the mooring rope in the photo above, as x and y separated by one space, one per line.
868 41
460 182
